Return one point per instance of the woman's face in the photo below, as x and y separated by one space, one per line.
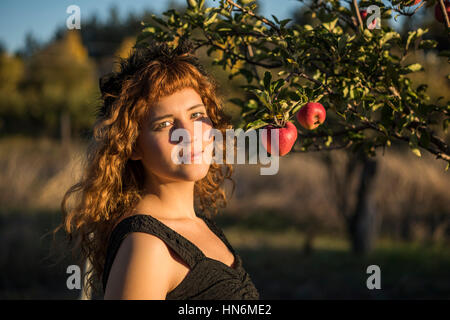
157 146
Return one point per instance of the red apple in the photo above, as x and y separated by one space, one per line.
286 138
413 4
363 14
438 11
311 115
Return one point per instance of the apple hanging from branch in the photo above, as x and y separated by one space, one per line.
311 115
286 138
279 106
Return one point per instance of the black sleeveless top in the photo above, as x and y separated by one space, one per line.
207 279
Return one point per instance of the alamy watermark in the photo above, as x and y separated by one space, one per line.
374 20
74 20
74 280
182 153
374 280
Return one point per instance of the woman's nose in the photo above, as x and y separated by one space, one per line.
191 134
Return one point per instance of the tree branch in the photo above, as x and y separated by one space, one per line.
444 12
322 148
442 151
237 56
358 16
351 23
250 53
333 134
249 12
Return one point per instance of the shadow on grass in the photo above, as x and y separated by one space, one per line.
332 271
337 274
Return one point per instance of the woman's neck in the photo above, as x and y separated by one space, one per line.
168 200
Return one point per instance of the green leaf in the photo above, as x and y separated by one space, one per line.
416 151
367 33
356 135
277 85
149 29
390 104
297 107
380 126
317 99
342 43
414 67
255 125
252 104
345 92
285 94
330 25
342 115
245 114
445 124
291 61
267 78
284 22
428 44
247 74
210 19
411 35
352 93
377 106
421 32
291 95
159 20
414 145
425 139
388 36
276 19
263 97
329 141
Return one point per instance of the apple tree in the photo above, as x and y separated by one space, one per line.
351 65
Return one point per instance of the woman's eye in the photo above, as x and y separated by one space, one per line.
201 113
161 126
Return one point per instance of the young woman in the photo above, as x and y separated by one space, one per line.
142 220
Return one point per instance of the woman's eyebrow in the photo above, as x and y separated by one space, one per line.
170 115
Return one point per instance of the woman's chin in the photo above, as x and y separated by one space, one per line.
194 171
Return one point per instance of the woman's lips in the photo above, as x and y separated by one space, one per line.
195 155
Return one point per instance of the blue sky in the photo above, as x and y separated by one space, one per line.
17 17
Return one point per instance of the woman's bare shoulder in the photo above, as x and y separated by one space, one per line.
142 269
